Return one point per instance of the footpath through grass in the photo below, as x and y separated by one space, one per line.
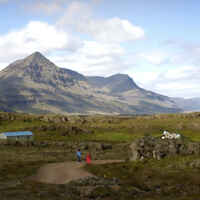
19 164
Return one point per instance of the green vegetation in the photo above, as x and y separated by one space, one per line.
175 178
103 128
18 164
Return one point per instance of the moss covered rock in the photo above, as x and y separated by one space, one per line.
151 147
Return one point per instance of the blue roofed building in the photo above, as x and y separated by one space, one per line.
19 135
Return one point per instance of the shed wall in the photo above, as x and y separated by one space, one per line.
21 138
2 136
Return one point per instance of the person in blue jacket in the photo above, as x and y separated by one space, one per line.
78 154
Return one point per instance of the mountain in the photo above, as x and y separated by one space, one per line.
116 83
36 85
188 105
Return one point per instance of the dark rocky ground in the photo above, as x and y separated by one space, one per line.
157 148
164 170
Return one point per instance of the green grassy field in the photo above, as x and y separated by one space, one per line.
19 164
171 178
106 128
147 180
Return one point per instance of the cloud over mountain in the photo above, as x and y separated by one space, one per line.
36 36
98 37
79 17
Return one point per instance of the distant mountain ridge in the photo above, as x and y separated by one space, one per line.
116 83
188 105
36 85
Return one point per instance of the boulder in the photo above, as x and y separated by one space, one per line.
106 146
149 147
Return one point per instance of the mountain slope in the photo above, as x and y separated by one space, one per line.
126 90
36 85
115 84
189 105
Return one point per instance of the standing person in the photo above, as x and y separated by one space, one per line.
88 158
78 154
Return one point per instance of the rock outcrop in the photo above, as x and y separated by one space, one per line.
149 147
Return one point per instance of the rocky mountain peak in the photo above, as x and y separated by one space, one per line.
34 62
37 69
35 84
37 59
121 83
36 54
119 75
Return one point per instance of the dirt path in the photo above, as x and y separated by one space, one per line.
61 173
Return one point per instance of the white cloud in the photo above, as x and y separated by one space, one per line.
104 54
182 81
89 57
36 36
3 65
77 13
178 74
145 78
79 17
94 58
155 58
55 6
182 73
113 30
186 53
96 49
44 7
184 89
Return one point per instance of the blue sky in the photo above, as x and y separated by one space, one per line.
156 42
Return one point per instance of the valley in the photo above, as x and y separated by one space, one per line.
57 137
99 100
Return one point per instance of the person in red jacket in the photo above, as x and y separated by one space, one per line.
88 158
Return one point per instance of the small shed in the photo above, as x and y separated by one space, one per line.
17 136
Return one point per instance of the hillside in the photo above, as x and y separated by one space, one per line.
115 84
188 105
36 85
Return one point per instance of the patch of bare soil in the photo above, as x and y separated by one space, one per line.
62 173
